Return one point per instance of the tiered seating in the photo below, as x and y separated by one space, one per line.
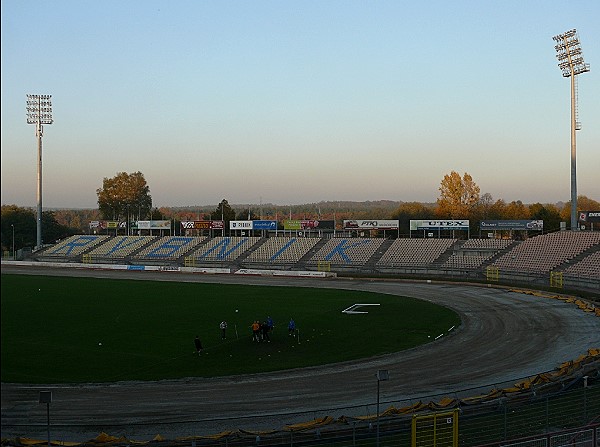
224 248
74 246
588 267
355 251
414 252
120 247
468 261
543 253
492 244
474 252
283 250
169 248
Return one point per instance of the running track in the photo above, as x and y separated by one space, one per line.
504 336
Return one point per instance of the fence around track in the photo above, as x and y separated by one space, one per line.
560 418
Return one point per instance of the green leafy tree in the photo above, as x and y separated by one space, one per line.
23 222
548 213
125 195
156 214
411 211
247 214
458 196
223 212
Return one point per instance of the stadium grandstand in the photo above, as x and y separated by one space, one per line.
223 249
73 247
282 250
545 252
168 249
341 251
118 248
415 252
574 255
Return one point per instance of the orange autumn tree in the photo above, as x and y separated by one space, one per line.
458 196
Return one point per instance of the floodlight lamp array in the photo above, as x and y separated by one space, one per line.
569 54
39 109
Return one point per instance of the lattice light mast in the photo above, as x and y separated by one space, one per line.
39 112
571 63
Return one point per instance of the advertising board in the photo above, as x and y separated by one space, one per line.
264 225
371 224
202 225
240 225
589 216
154 224
511 225
308 224
439 224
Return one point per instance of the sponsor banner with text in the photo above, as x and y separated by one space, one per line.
307 224
589 216
439 224
371 224
511 225
264 225
202 225
154 224
240 225
107 224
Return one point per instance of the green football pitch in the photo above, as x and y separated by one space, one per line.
75 330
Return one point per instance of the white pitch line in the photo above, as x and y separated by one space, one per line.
350 310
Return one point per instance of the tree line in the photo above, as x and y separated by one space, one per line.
127 197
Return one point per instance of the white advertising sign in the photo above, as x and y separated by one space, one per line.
439 224
240 225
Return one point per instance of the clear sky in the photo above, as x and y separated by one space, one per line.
290 102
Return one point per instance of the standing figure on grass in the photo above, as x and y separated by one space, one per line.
198 344
270 323
291 327
265 332
223 327
255 331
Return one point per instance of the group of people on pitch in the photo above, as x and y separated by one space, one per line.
260 331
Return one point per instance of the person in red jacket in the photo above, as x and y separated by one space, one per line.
255 331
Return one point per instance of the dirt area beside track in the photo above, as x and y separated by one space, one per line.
504 336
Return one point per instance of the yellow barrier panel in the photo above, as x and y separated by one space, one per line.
492 273
435 430
189 261
324 266
556 279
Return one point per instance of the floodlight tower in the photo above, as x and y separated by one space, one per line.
571 63
39 112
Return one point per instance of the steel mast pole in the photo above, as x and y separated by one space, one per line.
573 154
39 112
39 132
571 63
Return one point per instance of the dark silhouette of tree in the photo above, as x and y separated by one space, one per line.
223 212
23 220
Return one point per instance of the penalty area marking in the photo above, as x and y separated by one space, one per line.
352 309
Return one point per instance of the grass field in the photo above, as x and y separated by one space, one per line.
52 328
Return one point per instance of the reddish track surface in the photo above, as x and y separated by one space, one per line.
504 336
